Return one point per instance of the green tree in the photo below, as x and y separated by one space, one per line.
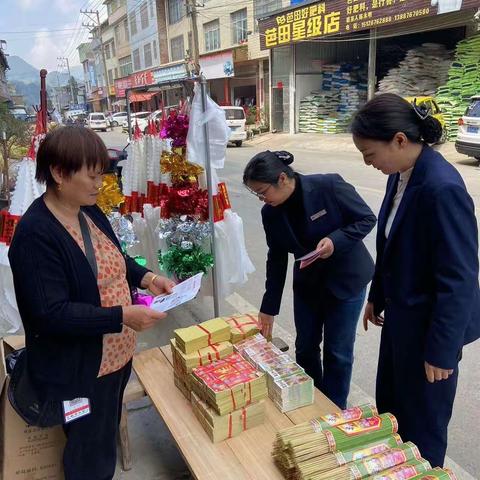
13 132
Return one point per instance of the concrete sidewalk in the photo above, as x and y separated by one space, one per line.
332 144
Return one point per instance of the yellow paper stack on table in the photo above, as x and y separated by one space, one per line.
195 337
184 363
220 428
182 384
229 384
242 327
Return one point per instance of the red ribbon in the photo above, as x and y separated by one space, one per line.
234 404
241 326
244 418
207 332
230 425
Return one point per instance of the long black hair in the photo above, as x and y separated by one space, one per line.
388 114
266 167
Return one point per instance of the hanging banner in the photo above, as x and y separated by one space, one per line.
316 20
217 65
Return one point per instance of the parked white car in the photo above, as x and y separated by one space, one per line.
236 120
116 119
133 118
97 121
468 139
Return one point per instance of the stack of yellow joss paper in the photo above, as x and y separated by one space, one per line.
229 384
242 327
212 335
225 390
191 339
220 428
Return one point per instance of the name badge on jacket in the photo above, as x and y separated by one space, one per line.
318 215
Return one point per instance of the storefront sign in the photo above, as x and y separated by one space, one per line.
174 72
121 85
111 90
140 79
219 65
316 20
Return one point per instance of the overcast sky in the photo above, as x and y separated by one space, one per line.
39 31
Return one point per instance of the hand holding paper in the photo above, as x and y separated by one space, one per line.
181 293
324 250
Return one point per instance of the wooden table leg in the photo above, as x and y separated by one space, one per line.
125 441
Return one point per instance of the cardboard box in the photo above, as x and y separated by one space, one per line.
26 453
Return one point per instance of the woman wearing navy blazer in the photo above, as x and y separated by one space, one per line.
303 213
426 276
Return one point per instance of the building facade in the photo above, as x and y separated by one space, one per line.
327 58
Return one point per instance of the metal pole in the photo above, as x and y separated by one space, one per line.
43 99
70 82
104 61
372 63
6 172
192 12
208 170
129 118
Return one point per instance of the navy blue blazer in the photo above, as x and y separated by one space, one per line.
426 276
59 302
333 209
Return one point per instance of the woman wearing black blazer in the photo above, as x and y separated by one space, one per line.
426 276
303 213
77 310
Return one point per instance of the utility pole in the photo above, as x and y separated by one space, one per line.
64 61
6 176
195 55
95 27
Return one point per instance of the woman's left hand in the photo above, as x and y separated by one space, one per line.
325 248
436 374
157 284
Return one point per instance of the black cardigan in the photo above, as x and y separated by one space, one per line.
59 302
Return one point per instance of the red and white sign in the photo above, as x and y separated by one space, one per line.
139 79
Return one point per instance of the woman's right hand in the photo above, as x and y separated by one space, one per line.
266 324
140 318
369 316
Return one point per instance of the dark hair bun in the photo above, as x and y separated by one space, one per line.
285 157
431 130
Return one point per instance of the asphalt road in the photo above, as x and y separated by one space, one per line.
316 155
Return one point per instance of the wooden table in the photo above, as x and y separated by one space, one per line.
247 456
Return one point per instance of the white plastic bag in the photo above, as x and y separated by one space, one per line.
218 132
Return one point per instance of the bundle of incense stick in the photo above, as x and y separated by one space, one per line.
194 338
222 428
404 471
242 327
370 465
436 474
185 363
331 461
301 445
321 423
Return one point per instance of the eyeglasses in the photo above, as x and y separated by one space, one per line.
259 195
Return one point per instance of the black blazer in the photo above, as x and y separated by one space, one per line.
426 275
333 209
59 302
